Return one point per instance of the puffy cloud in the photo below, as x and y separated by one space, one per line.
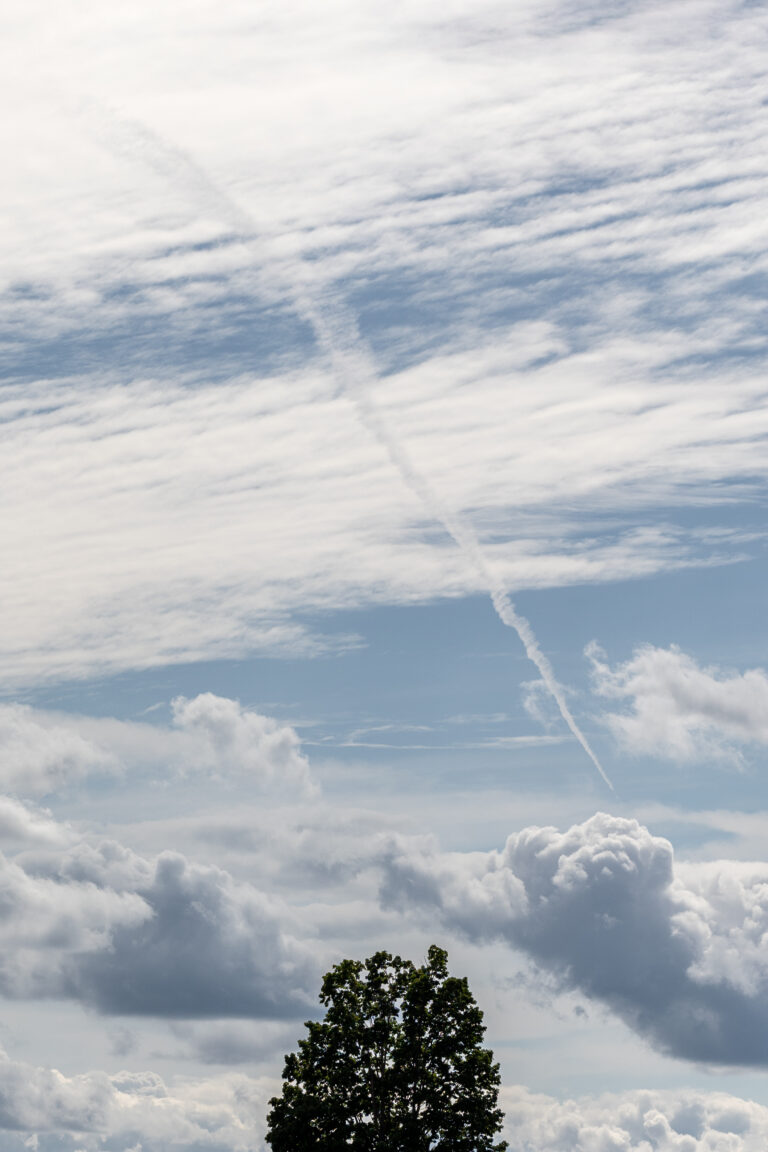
44 752
228 738
115 1112
209 947
681 958
131 1109
635 1122
130 936
45 925
679 709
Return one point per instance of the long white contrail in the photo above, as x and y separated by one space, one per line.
337 332
338 335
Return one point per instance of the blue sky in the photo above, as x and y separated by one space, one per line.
383 474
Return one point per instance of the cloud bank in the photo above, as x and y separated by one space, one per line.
133 1109
680 956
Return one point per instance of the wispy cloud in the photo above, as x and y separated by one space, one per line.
557 269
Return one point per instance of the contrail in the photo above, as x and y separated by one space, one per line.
338 335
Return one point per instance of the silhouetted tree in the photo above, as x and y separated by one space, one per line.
396 1065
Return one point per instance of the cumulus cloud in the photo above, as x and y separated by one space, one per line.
133 1109
209 947
634 1122
681 958
96 1111
44 752
678 709
164 938
45 925
228 738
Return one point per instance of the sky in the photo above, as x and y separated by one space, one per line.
383 475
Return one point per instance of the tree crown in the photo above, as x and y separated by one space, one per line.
396 1065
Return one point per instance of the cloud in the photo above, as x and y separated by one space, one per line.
679 709
552 318
26 825
38 756
209 948
645 1121
239 453
164 938
96 1111
42 752
680 957
227 1112
228 738
45 925
234 1042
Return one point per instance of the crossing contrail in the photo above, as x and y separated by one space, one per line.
337 333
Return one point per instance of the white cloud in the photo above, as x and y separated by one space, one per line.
38 757
227 1112
265 468
228 738
96 1111
43 752
679 709
25 825
201 490
644 1121
681 958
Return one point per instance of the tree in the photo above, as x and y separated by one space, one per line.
396 1065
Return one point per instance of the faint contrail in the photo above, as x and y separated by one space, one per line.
339 336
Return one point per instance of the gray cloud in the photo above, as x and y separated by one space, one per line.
677 708
209 948
130 936
235 1042
680 958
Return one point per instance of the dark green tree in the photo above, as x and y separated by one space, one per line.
396 1065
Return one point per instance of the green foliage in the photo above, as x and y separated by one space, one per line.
396 1065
